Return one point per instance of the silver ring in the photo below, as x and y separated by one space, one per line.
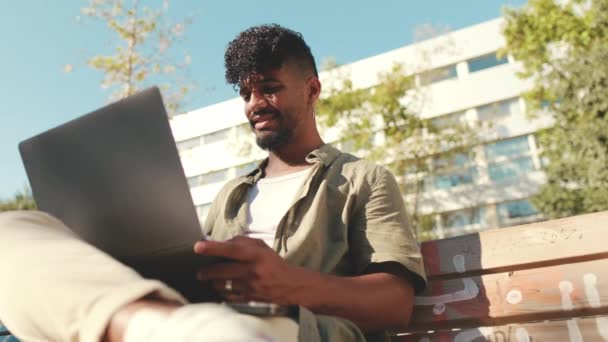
228 285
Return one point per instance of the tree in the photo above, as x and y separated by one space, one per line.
143 53
563 48
21 201
412 147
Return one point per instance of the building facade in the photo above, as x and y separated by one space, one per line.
463 80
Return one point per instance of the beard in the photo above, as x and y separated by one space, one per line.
271 141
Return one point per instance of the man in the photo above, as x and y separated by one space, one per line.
340 227
311 227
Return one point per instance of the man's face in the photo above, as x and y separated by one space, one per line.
275 104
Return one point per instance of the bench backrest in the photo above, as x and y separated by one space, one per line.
545 281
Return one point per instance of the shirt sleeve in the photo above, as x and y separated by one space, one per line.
380 231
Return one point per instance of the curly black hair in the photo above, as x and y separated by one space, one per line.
262 48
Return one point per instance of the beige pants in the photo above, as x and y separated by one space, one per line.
55 287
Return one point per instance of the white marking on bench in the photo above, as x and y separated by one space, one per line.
593 297
521 334
566 289
541 236
470 291
573 331
514 297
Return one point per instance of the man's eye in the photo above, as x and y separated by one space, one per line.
271 90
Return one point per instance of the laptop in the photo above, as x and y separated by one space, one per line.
114 177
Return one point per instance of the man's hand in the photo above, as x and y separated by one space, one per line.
372 301
258 273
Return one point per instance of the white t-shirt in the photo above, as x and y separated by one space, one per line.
269 199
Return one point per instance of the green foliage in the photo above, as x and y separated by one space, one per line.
21 201
409 142
142 55
564 49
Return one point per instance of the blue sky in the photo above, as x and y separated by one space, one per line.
39 37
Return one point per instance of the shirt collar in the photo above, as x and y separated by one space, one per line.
325 154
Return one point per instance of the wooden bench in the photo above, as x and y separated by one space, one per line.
546 281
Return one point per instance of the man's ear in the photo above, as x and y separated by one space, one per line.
314 90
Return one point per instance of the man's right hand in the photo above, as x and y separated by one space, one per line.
257 274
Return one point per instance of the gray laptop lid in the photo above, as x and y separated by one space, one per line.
114 177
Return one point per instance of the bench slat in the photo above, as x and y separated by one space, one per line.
562 291
540 244
588 328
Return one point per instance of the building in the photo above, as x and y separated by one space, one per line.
469 83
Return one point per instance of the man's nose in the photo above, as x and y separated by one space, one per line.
256 103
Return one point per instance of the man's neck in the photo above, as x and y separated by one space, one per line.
290 158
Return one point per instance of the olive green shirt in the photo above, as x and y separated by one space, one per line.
348 214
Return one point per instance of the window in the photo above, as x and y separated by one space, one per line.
186 145
485 62
510 169
193 181
455 178
448 120
189 144
515 212
509 158
208 178
438 75
456 160
463 218
216 136
214 177
508 148
498 110
450 171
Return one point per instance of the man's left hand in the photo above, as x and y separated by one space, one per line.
258 273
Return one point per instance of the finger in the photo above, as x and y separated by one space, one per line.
238 291
224 271
232 249
235 287
248 240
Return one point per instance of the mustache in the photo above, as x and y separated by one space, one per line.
266 111
261 112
